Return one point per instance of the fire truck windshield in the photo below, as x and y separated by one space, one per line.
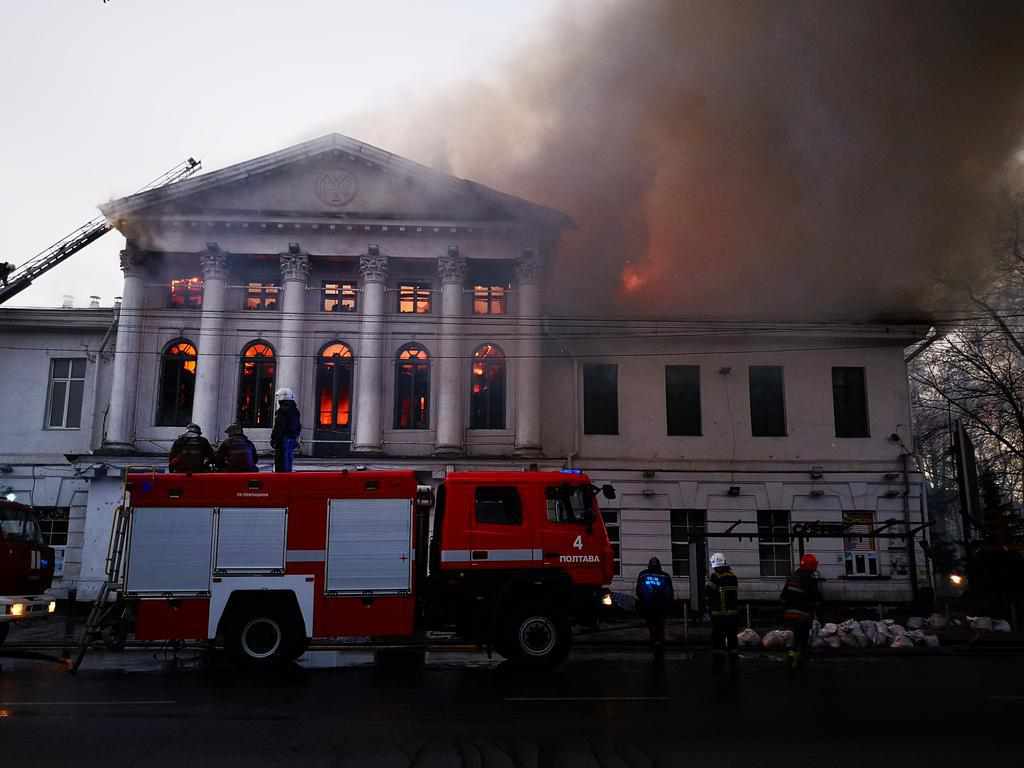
17 525
570 503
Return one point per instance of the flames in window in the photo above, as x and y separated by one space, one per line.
187 292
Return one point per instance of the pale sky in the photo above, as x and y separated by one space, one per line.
99 99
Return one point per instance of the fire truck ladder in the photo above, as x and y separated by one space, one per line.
105 609
17 279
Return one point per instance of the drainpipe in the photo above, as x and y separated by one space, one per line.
911 540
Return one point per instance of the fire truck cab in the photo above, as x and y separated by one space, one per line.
26 568
263 563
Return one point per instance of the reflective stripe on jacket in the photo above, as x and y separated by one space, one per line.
722 591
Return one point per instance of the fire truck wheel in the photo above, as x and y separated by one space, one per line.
537 637
263 639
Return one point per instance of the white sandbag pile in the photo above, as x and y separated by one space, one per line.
1000 625
830 635
915 622
748 638
851 635
937 621
980 623
777 640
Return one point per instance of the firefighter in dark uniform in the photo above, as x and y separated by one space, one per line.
722 589
191 452
284 438
800 600
654 594
236 453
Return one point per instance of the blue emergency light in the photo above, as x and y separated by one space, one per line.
571 471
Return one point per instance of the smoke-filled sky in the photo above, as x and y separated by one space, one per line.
783 159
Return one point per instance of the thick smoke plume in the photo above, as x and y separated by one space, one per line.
761 159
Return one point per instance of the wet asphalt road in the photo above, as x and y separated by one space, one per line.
599 709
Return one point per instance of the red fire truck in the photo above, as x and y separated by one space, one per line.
263 563
26 568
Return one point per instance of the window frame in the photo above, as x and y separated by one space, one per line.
510 491
165 357
67 381
263 293
418 291
694 521
851 550
496 414
491 295
775 541
344 290
864 426
425 362
592 412
346 360
192 289
755 421
260 361
680 401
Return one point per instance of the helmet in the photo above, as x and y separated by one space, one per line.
194 428
809 562
284 393
718 560
233 429
654 564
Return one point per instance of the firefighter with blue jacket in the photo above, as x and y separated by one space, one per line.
654 595
722 595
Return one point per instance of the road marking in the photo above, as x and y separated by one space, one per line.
587 698
82 703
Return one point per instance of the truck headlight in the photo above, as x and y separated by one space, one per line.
606 599
18 609
52 606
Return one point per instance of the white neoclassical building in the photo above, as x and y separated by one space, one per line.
405 309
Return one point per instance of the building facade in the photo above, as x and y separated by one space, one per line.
405 308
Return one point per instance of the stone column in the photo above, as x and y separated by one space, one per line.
205 407
294 278
120 432
528 365
453 370
373 269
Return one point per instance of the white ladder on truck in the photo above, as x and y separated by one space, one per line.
104 607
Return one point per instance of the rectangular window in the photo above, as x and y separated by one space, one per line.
600 399
67 387
261 296
498 505
611 524
414 298
687 526
767 401
339 296
773 542
489 300
53 524
682 399
849 400
186 293
860 546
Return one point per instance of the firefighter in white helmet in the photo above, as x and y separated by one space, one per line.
721 591
287 427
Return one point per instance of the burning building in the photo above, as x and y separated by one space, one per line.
409 311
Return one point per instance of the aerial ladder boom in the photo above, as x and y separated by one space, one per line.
14 280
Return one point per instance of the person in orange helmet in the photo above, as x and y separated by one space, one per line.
800 599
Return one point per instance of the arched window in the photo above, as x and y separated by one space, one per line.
256 385
412 388
177 384
487 389
334 386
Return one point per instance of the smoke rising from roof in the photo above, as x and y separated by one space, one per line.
779 160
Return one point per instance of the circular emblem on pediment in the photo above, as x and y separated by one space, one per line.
336 188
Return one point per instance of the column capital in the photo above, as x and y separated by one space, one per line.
452 267
373 267
295 264
214 262
528 268
132 261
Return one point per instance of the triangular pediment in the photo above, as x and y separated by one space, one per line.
333 177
